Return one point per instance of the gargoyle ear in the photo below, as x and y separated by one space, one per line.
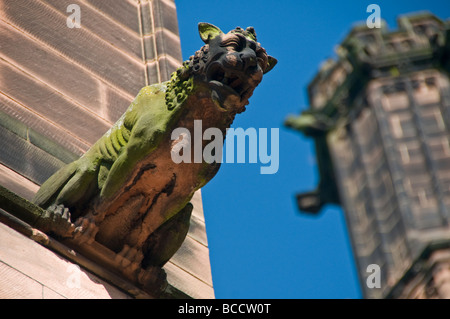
270 64
208 31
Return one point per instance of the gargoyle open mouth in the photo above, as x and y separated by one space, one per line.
230 82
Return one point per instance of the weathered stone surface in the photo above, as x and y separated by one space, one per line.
127 193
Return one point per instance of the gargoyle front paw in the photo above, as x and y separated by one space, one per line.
85 230
129 259
57 220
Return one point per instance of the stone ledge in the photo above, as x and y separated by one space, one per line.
29 270
22 216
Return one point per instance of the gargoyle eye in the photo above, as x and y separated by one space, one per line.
233 42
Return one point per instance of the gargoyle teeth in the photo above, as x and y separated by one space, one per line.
235 83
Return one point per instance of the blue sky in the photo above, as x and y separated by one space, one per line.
260 245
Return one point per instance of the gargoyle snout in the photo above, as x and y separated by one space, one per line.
248 58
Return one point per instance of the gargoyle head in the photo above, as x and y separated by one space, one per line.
231 63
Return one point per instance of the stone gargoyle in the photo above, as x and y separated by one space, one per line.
126 192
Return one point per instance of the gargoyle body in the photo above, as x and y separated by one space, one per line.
126 192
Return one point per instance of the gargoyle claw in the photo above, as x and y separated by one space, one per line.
129 259
85 230
57 219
